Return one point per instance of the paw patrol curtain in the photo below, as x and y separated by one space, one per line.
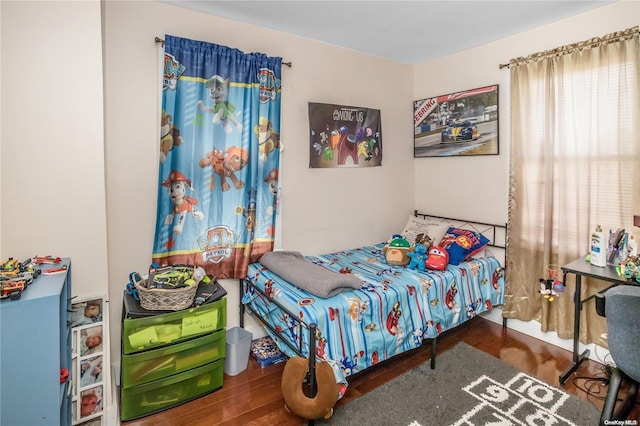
219 157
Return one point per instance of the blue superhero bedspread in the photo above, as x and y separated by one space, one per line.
394 311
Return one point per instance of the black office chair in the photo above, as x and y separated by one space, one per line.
622 310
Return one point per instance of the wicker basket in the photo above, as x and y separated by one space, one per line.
157 299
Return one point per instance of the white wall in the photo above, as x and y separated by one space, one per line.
477 187
322 209
52 165
1 129
53 188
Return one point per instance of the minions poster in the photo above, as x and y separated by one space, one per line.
344 136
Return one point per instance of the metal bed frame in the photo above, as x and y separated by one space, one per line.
497 235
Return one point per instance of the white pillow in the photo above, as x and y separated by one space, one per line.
435 229
486 252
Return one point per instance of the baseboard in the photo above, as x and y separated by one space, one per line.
112 416
532 328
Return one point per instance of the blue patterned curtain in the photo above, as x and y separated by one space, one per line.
219 157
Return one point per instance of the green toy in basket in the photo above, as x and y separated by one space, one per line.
171 277
170 288
396 251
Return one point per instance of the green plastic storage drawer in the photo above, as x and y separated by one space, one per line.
158 363
142 400
145 333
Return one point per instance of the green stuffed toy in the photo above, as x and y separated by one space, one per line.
397 251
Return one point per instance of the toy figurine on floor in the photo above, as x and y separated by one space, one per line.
418 258
550 288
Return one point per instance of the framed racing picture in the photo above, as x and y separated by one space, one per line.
457 124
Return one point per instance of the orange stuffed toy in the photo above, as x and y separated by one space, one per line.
318 407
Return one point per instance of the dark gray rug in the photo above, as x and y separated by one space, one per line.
468 387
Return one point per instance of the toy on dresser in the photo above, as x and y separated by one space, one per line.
15 277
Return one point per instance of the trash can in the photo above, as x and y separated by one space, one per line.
238 346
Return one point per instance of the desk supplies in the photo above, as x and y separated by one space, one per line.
598 248
632 246
617 246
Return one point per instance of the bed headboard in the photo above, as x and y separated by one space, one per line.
497 234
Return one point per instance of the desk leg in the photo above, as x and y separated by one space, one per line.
577 358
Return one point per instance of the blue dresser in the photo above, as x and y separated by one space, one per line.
35 343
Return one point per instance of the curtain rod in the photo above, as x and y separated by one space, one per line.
589 44
159 40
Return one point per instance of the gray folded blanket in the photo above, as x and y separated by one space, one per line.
317 280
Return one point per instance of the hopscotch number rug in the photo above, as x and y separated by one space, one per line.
468 387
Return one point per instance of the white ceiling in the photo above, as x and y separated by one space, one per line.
409 32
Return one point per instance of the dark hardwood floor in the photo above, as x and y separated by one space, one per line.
253 397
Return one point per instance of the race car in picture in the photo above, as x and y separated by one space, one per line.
460 131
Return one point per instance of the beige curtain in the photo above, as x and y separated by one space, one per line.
575 163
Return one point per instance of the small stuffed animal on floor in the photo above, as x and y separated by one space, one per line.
296 401
547 289
418 257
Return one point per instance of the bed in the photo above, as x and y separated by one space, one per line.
395 309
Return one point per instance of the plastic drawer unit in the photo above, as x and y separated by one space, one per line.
169 358
140 334
158 363
171 391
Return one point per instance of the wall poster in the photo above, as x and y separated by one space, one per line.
461 123
344 136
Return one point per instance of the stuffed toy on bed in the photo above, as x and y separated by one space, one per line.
437 259
418 258
396 251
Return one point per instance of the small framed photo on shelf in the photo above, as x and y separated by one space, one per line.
91 340
91 402
87 312
91 371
